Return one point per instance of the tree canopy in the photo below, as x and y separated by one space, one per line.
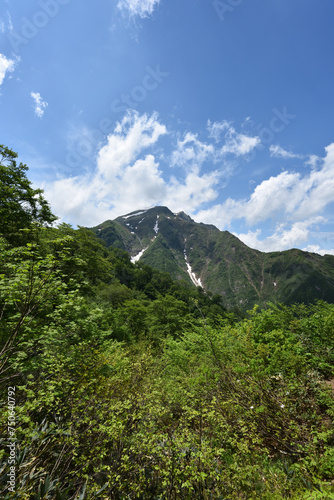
21 206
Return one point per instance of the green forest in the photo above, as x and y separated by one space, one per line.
118 382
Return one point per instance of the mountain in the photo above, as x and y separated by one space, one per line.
218 261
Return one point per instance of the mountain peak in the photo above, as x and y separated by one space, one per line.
217 261
184 216
153 211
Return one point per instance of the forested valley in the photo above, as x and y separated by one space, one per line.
118 382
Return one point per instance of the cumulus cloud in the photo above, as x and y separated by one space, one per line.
190 194
6 66
283 238
319 250
273 196
299 200
39 104
289 194
221 215
318 187
128 176
141 8
131 136
91 199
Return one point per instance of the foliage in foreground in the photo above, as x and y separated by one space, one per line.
205 410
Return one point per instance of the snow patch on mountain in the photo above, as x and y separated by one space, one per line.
138 256
134 215
196 281
156 227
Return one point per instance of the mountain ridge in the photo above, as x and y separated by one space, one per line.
218 261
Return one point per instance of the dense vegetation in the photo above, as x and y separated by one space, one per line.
130 385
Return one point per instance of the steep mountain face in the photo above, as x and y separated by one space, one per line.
218 261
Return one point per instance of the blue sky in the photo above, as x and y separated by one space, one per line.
221 108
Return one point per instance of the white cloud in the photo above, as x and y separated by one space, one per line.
131 136
235 143
274 195
221 215
283 238
127 177
289 195
40 104
192 151
217 128
240 144
318 187
6 23
299 200
318 249
193 192
278 152
313 161
142 8
6 65
91 199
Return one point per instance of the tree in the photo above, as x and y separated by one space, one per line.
21 206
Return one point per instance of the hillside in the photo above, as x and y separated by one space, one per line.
218 261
